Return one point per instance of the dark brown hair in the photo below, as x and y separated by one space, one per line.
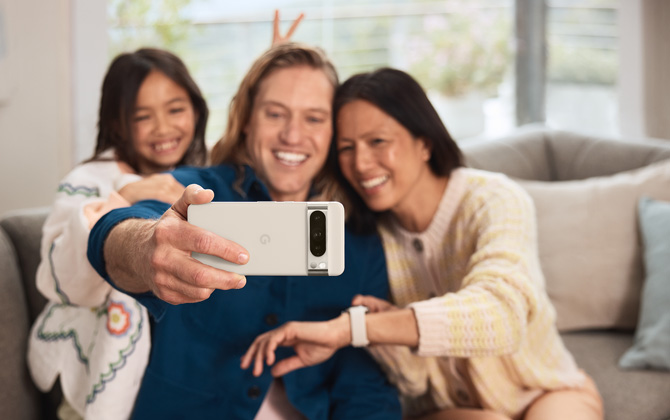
397 94
119 94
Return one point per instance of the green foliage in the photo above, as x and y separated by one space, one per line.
147 23
462 51
582 65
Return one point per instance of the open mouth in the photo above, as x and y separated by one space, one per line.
372 183
165 146
290 158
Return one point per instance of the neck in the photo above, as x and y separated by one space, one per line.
417 210
276 196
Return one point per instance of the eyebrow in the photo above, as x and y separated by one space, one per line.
170 102
276 103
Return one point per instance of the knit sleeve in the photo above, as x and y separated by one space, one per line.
489 314
64 274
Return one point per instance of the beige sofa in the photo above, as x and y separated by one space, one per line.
547 156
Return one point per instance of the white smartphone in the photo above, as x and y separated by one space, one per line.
284 238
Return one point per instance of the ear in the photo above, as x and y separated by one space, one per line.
426 148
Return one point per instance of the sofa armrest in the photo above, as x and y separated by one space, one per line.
19 398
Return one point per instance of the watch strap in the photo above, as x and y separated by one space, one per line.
359 335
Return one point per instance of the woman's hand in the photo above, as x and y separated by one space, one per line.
373 303
277 37
162 187
313 342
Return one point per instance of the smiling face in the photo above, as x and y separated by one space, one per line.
383 162
289 130
163 123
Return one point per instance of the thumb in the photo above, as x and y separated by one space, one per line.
193 194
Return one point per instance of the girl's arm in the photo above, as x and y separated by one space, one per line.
64 274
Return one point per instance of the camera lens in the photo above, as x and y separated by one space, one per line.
317 233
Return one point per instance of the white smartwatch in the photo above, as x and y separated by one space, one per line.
359 334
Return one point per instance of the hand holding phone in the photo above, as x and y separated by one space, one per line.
282 237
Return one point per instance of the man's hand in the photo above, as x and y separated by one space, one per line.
313 342
277 37
143 255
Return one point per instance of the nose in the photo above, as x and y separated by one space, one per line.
292 132
162 124
362 159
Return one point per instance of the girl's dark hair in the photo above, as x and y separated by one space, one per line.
119 94
397 94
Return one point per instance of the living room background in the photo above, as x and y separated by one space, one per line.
55 53
463 52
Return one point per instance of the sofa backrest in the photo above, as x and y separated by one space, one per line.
543 154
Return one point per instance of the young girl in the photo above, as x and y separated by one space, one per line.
471 332
152 119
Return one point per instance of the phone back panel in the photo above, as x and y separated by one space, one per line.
274 233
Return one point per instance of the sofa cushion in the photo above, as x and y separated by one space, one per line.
19 395
627 394
652 336
589 244
25 231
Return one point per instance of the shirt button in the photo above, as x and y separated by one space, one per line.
418 245
254 392
271 319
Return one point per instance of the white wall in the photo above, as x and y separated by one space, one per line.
50 78
35 147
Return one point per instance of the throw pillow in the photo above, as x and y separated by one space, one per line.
589 244
651 347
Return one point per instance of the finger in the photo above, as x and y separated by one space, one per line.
193 194
293 27
357 300
189 238
287 365
275 34
270 349
258 358
251 352
198 279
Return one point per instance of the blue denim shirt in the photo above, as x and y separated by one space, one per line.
194 368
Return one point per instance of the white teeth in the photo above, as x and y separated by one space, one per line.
374 182
159 147
291 158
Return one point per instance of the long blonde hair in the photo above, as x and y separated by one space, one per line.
232 148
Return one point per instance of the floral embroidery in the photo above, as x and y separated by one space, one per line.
118 318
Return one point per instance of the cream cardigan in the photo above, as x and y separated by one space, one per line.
487 328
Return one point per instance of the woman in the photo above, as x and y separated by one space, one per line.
152 119
277 140
471 332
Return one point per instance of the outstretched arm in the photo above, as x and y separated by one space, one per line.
143 255
316 342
